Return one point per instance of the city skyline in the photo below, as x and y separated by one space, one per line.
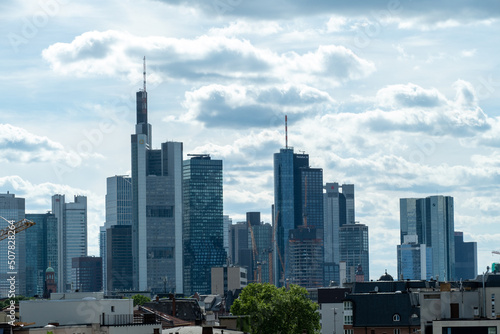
398 99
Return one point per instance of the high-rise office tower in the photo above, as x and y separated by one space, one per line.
354 249
156 207
239 244
87 274
306 240
12 209
227 225
287 213
465 258
431 219
118 212
72 236
414 259
338 211
119 254
262 235
203 233
41 251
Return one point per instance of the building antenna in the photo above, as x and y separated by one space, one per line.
286 132
144 73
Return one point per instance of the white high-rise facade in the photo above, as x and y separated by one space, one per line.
72 236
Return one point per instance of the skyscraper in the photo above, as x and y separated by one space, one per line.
203 233
431 219
118 212
338 211
354 249
119 254
414 259
12 209
306 240
287 213
87 274
41 251
72 236
465 258
156 207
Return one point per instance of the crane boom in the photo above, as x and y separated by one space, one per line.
18 227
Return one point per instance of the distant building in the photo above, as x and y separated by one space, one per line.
156 176
306 257
431 219
41 251
50 285
118 212
119 253
465 258
335 216
354 249
12 209
287 213
203 234
71 236
87 274
226 279
414 260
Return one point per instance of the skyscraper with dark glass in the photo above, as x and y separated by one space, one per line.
203 234
41 251
354 249
156 207
287 213
431 219
465 258
12 209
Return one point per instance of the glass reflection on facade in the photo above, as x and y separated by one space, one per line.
203 234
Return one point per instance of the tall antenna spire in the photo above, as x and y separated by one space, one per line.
144 73
286 132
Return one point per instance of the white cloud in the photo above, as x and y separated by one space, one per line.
19 145
205 58
240 27
336 23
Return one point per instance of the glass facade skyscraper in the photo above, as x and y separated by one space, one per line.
288 204
119 255
431 219
465 258
12 209
41 251
203 233
354 249
414 259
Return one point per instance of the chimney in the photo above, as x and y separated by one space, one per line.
173 306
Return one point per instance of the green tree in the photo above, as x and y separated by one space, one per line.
274 310
140 299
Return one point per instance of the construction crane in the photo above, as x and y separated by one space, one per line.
18 227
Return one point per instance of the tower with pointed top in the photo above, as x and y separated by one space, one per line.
156 206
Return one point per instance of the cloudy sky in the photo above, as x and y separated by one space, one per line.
399 97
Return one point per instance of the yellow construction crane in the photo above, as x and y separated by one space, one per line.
18 227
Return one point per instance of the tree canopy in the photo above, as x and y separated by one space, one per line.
140 299
277 310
